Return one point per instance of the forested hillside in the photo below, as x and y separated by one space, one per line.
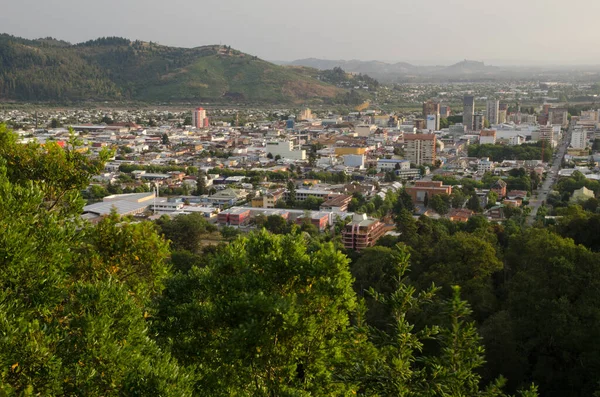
144 308
116 68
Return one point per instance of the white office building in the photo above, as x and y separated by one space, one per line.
579 139
285 149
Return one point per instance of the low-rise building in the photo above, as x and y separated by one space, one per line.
227 197
485 165
319 219
460 214
233 216
499 187
582 194
487 137
392 164
337 203
423 189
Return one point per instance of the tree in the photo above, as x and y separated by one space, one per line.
186 232
277 157
60 173
54 123
258 324
291 187
276 224
376 269
492 199
270 156
63 332
436 360
165 139
457 198
554 312
426 200
133 253
474 204
230 232
469 261
440 203
201 188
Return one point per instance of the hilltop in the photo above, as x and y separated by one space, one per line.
401 71
120 69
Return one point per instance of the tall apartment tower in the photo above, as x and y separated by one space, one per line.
420 148
492 110
468 112
199 119
431 114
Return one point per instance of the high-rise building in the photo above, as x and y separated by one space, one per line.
478 122
419 124
468 111
492 109
558 116
501 116
543 133
579 139
199 119
444 111
306 114
420 148
431 108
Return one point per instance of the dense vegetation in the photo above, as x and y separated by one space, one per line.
526 151
116 68
141 308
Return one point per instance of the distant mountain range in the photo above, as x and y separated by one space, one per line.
119 69
393 72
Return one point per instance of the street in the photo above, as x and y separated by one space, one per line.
542 192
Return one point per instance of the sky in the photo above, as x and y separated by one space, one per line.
427 32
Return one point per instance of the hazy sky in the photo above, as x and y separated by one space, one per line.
516 32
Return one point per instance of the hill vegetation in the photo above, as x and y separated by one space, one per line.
116 68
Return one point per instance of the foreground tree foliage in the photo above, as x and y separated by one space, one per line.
263 318
61 333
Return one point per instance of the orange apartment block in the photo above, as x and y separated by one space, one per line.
362 232
429 188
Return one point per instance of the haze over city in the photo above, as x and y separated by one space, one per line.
513 32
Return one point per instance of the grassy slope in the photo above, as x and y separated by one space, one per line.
149 72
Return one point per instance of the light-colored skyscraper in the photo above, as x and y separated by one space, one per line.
579 139
468 112
199 119
492 109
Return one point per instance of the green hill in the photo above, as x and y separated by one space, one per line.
120 69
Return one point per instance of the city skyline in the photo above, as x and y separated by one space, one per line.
332 30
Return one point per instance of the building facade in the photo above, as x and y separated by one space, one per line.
362 232
468 112
420 148
492 109
431 113
428 189
199 119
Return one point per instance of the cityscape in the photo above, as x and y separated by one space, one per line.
200 221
